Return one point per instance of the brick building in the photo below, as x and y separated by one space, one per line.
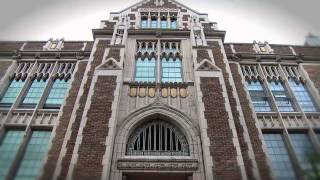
158 95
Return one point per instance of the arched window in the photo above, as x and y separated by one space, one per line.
157 138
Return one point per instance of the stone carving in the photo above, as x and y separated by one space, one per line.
158 164
207 66
109 65
151 91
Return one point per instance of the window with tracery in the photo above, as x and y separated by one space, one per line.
157 138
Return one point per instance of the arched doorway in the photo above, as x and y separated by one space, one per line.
157 143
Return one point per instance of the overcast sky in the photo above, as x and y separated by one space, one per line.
275 21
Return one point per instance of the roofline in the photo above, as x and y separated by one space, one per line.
169 0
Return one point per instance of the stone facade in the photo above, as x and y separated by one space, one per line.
209 103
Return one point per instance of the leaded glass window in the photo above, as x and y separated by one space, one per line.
34 93
154 23
173 24
57 93
9 146
278 154
171 70
157 138
303 96
144 23
36 150
303 148
145 70
12 92
284 103
164 24
258 96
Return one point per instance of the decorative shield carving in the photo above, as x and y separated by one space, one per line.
183 92
173 92
164 92
142 92
133 92
151 92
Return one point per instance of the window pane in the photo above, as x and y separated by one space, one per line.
144 24
154 24
34 93
164 24
174 24
283 102
146 70
171 70
303 148
302 95
35 152
258 96
8 149
57 93
278 154
12 92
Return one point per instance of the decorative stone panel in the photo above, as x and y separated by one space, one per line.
158 164
20 118
45 118
270 121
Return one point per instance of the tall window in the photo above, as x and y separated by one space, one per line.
12 92
303 97
164 23
34 93
277 151
154 22
8 149
258 96
173 23
36 150
57 93
145 70
171 70
283 102
302 147
144 22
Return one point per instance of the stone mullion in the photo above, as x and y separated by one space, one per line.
311 133
158 62
285 132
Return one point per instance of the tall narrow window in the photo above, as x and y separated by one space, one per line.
277 151
173 23
144 22
12 92
36 150
283 101
258 96
34 93
57 93
171 70
145 70
154 22
164 22
9 146
303 96
303 148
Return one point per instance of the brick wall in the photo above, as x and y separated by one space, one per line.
225 165
260 156
278 49
314 74
34 46
218 57
4 65
98 55
92 148
61 129
10 46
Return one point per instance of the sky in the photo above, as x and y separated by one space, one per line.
275 21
